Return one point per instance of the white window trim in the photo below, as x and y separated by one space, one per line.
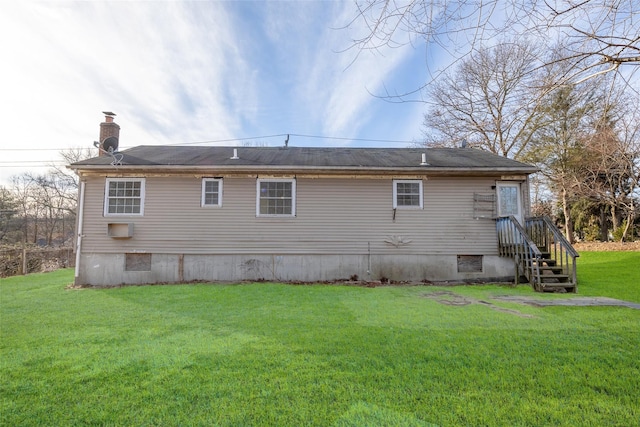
407 181
106 196
507 184
293 197
202 195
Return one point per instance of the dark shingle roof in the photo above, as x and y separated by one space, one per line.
150 157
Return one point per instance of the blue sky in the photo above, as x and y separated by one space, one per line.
184 72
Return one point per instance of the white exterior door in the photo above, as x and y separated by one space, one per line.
509 200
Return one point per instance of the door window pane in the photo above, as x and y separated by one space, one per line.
508 198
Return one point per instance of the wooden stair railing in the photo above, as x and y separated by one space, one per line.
559 257
514 242
540 252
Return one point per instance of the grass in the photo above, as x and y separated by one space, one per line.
272 354
612 274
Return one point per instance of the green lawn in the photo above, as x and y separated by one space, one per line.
282 355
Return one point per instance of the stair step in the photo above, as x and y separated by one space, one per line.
555 278
553 269
557 287
545 262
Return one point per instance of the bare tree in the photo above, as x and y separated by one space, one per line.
609 168
600 35
489 100
8 215
45 204
64 181
22 190
56 204
557 144
629 134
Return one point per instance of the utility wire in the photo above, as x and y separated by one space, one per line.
31 162
279 135
352 139
231 139
49 163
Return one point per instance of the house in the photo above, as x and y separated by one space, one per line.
153 214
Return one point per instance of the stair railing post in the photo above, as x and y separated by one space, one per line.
574 276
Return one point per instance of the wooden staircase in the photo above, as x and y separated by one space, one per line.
541 253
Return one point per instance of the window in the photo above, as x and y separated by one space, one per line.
212 192
407 193
276 197
509 202
124 196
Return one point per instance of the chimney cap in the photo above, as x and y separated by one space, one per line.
109 113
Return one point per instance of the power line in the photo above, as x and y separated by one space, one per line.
249 138
231 139
30 164
33 149
282 135
352 139
43 162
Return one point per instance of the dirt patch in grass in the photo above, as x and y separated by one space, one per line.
569 302
449 298
453 299
607 246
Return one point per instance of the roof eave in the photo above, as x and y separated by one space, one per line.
328 170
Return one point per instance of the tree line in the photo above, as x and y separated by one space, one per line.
40 209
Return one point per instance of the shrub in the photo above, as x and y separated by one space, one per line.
618 233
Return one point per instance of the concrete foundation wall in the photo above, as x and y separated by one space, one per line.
110 269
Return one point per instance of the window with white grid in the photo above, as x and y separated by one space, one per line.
407 193
212 192
124 196
276 197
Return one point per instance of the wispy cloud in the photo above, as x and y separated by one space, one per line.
167 67
336 82
178 72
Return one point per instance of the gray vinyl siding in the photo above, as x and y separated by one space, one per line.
333 216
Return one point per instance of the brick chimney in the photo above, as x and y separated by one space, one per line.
108 128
